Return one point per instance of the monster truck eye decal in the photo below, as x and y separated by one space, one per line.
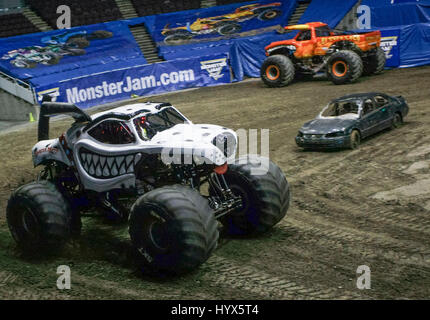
104 167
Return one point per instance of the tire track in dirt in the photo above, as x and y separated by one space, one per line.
383 245
268 286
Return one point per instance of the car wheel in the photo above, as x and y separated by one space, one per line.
397 121
354 140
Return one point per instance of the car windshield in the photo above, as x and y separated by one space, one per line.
347 109
149 125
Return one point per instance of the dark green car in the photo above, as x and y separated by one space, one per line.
347 120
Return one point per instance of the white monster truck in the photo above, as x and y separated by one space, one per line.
183 176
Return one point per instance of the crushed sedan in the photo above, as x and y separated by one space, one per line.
345 121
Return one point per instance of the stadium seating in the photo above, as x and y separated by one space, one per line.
15 24
223 2
83 12
150 7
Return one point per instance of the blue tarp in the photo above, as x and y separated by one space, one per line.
380 3
415 45
120 50
327 11
401 14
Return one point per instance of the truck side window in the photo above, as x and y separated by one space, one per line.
112 132
322 32
304 35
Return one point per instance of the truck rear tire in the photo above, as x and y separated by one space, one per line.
177 38
173 230
344 66
277 71
265 197
39 216
227 28
375 63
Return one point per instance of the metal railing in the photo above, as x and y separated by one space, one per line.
18 88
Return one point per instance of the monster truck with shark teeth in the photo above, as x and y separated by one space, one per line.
182 178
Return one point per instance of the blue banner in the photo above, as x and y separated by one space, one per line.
100 88
390 43
236 20
51 52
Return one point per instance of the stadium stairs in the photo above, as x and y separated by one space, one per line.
142 37
127 9
35 19
301 8
207 3
146 44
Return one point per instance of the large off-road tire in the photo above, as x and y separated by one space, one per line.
265 197
78 42
354 140
277 71
177 38
23 64
269 14
173 230
228 28
375 63
344 66
39 216
75 51
100 34
51 59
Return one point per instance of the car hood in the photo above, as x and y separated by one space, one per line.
324 126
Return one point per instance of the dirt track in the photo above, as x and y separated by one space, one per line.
366 207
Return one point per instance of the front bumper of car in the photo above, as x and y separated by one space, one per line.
322 142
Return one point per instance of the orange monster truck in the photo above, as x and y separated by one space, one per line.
224 25
344 56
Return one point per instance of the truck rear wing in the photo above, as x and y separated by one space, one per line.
55 108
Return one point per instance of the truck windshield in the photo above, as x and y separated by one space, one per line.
344 109
149 125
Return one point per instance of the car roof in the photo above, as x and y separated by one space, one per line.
131 110
359 96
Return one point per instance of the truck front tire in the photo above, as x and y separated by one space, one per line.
265 195
277 71
39 216
344 66
173 230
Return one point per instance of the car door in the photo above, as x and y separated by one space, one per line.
384 114
369 118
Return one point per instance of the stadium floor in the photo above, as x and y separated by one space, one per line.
369 206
